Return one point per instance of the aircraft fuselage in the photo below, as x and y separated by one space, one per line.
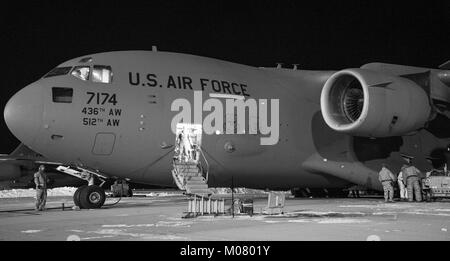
123 128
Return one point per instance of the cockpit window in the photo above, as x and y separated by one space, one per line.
58 71
102 73
81 72
86 60
62 95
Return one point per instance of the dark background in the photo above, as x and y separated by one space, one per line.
38 35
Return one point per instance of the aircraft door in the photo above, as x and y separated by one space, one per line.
104 143
188 142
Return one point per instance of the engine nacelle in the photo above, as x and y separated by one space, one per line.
371 104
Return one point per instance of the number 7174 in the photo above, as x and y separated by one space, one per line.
100 98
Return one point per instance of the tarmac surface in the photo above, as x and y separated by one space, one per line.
160 218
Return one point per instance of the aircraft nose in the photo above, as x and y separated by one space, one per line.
23 113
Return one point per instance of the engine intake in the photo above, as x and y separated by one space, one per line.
366 103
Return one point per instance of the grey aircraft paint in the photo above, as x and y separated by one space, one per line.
120 128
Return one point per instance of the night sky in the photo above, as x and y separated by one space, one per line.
38 35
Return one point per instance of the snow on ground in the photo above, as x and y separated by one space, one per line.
342 221
162 194
31 193
321 221
122 232
243 191
68 191
31 231
125 225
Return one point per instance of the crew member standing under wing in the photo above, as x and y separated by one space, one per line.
411 176
402 186
386 178
40 179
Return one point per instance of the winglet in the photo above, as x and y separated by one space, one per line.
445 66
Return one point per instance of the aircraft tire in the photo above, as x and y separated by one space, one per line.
76 195
92 197
130 192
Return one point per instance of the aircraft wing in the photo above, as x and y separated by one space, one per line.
23 153
21 162
333 160
8 158
25 157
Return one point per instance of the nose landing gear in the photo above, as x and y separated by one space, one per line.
88 197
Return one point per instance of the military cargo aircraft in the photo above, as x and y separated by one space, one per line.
112 114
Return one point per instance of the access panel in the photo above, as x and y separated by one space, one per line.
104 143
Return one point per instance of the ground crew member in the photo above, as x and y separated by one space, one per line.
386 178
355 193
40 179
187 147
402 186
181 145
411 176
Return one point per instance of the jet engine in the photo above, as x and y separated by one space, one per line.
367 103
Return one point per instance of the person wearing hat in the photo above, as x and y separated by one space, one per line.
411 177
40 179
386 178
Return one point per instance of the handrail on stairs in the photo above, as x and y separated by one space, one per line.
206 161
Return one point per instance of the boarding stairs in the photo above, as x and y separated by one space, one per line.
191 176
